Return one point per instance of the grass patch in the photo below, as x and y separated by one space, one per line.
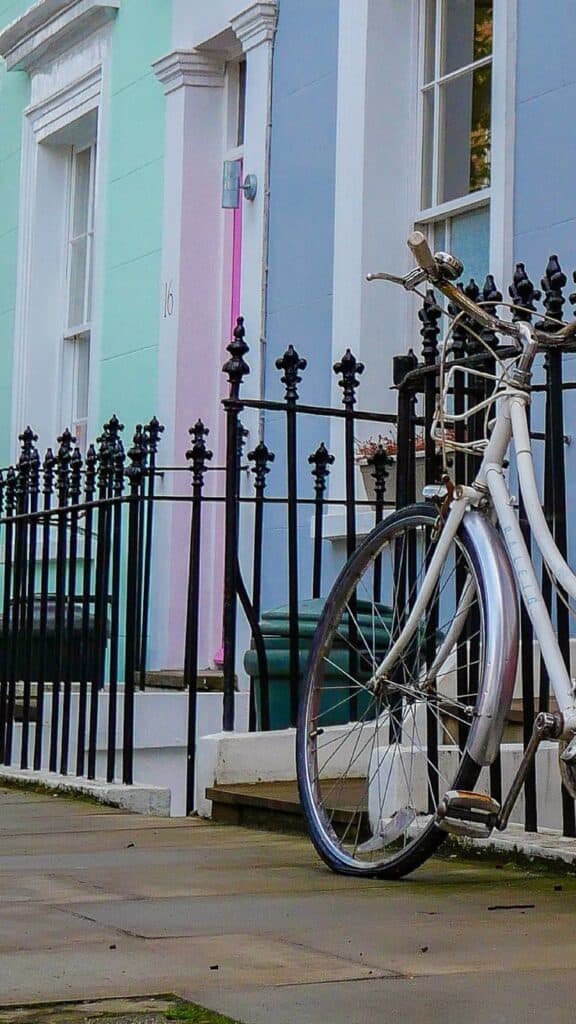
533 863
167 1009
43 789
189 1013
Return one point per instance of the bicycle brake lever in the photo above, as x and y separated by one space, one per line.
409 281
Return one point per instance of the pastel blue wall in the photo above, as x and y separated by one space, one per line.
545 163
545 160
302 177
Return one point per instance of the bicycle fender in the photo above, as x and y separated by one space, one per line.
502 631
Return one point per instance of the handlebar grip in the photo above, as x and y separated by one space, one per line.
421 251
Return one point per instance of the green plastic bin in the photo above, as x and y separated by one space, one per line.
275 626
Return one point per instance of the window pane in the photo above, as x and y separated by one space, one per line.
90 277
430 41
427 148
78 252
81 193
82 376
470 240
465 134
439 236
80 431
241 103
467 32
480 133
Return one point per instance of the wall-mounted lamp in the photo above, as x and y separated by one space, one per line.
232 185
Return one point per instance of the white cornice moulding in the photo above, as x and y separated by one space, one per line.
66 105
190 68
256 25
52 25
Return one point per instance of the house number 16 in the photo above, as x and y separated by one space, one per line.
168 299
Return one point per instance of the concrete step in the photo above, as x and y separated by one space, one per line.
276 805
208 680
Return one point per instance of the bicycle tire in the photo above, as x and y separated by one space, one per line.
349 779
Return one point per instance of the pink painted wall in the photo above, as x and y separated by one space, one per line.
200 387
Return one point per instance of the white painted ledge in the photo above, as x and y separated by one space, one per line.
151 800
52 25
334 523
193 68
229 757
256 25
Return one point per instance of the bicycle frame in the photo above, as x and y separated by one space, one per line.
512 425
490 493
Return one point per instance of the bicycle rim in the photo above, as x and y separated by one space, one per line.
374 760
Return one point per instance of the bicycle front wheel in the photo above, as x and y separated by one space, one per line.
375 757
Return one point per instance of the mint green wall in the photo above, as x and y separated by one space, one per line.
131 286
14 94
11 9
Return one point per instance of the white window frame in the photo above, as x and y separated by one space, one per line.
83 325
77 337
64 46
443 213
377 192
69 93
470 199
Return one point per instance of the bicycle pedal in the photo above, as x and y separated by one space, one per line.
467 814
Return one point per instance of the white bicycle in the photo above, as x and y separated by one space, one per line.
413 664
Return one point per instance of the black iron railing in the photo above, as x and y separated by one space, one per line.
77 557
75 535
418 392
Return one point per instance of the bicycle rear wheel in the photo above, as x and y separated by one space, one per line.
374 760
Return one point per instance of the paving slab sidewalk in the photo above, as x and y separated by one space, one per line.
99 903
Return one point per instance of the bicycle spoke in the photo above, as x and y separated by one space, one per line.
375 779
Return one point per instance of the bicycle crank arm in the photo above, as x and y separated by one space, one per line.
546 726
475 814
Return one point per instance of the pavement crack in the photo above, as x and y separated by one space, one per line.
379 974
114 928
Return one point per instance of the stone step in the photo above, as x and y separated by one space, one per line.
275 805
208 680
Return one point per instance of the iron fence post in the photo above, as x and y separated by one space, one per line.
291 364
321 460
236 368
198 455
405 454
262 458
135 473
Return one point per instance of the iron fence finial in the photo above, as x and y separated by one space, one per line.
198 454
553 283
321 460
261 456
291 363
523 294
349 369
236 367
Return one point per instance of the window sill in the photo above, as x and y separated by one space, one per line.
334 524
469 202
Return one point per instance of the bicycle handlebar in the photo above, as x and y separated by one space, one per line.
442 268
418 245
